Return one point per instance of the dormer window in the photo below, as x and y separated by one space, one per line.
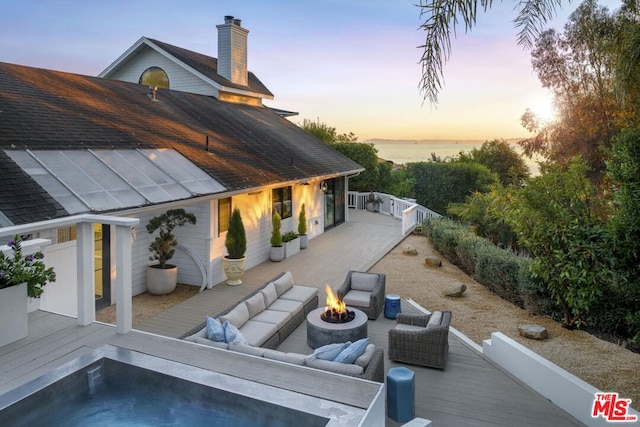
154 76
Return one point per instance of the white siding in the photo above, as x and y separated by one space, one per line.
179 78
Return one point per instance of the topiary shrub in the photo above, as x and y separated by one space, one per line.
276 237
236 240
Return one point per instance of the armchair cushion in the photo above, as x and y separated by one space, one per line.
363 281
357 298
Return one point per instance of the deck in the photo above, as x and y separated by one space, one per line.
470 392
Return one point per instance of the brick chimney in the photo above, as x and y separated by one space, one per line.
232 51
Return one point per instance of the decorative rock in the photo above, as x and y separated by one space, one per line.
455 291
433 261
409 250
535 332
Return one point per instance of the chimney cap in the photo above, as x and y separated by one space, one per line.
237 22
228 19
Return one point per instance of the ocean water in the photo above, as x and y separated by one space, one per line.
402 152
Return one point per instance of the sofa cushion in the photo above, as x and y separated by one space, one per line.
352 352
365 358
247 349
329 351
214 330
302 294
278 318
283 283
338 368
363 281
293 358
357 298
232 335
255 304
257 333
293 307
237 317
270 294
435 319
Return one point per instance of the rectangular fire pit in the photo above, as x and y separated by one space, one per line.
320 332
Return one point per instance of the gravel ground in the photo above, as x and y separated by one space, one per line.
476 314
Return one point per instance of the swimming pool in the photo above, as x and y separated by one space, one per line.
113 386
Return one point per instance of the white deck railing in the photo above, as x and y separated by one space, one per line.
84 267
411 213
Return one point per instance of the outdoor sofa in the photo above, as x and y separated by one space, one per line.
268 315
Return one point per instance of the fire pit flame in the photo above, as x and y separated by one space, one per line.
336 310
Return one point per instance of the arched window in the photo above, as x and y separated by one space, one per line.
154 76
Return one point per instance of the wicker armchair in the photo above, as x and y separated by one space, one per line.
420 339
364 291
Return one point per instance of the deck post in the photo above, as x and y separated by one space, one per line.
124 305
86 285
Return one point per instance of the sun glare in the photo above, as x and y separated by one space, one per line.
544 109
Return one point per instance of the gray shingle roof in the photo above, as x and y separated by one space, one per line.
248 146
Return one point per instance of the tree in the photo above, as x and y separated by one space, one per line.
366 156
498 156
441 18
326 133
561 223
624 169
579 67
437 184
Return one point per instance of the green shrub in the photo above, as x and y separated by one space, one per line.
289 236
276 237
302 221
236 240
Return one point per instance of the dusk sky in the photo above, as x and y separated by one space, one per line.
351 64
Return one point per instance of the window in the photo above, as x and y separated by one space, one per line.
282 201
154 76
224 213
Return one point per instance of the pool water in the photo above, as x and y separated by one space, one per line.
110 392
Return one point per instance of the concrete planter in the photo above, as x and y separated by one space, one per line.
291 247
234 269
276 253
13 314
162 281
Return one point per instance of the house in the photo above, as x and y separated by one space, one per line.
162 127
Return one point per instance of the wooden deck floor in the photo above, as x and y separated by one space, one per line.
470 392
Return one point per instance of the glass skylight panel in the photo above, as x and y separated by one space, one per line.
184 172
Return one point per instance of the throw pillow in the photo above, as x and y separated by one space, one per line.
232 335
351 353
214 330
329 351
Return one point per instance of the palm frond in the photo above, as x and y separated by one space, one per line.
532 16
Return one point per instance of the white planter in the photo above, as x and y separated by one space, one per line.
234 269
162 281
303 241
276 253
292 247
13 314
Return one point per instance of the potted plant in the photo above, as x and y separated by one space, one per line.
291 243
302 227
277 250
373 202
21 276
162 278
236 244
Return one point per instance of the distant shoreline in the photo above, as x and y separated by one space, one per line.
436 141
